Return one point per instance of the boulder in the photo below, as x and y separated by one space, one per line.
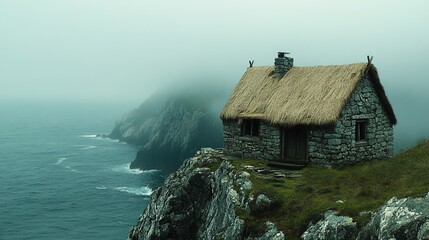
331 227
271 233
404 219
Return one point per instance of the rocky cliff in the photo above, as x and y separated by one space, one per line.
199 201
211 197
171 126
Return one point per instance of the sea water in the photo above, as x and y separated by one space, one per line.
58 180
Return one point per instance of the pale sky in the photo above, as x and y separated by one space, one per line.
126 49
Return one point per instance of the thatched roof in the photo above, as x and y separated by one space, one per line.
305 95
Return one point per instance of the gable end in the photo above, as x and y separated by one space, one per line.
381 94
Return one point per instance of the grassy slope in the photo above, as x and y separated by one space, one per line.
363 187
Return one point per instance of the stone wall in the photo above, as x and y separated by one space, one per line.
330 145
265 146
336 145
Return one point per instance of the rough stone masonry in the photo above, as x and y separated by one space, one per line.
330 146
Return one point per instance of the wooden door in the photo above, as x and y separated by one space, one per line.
294 144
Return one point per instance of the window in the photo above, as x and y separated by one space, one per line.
250 127
361 128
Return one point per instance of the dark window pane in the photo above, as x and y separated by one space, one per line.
255 128
246 127
361 126
250 127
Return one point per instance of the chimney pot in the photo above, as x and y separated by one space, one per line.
281 54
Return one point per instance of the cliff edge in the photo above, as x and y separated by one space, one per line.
199 201
213 196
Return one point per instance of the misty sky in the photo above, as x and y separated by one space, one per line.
113 50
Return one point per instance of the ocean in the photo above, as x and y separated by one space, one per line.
58 180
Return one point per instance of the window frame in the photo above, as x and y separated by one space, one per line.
250 127
361 130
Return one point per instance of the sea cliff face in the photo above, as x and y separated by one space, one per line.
198 202
208 198
171 127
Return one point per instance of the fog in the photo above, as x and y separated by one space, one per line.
124 50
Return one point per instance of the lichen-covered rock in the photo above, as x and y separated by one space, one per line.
261 204
404 219
272 233
331 227
263 200
197 203
423 233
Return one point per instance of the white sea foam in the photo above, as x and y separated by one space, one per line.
107 139
101 187
71 169
125 168
88 136
101 137
141 191
88 147
60 160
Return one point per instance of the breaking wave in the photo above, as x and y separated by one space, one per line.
108 139
141 191
102 137
88 136
125 168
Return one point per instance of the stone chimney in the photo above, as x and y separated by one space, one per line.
282 64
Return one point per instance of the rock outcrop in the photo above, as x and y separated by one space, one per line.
331 227
199 202
207 196
398 219
402 219
170 127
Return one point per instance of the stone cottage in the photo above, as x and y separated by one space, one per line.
326 115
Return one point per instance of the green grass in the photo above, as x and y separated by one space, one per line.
363 187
